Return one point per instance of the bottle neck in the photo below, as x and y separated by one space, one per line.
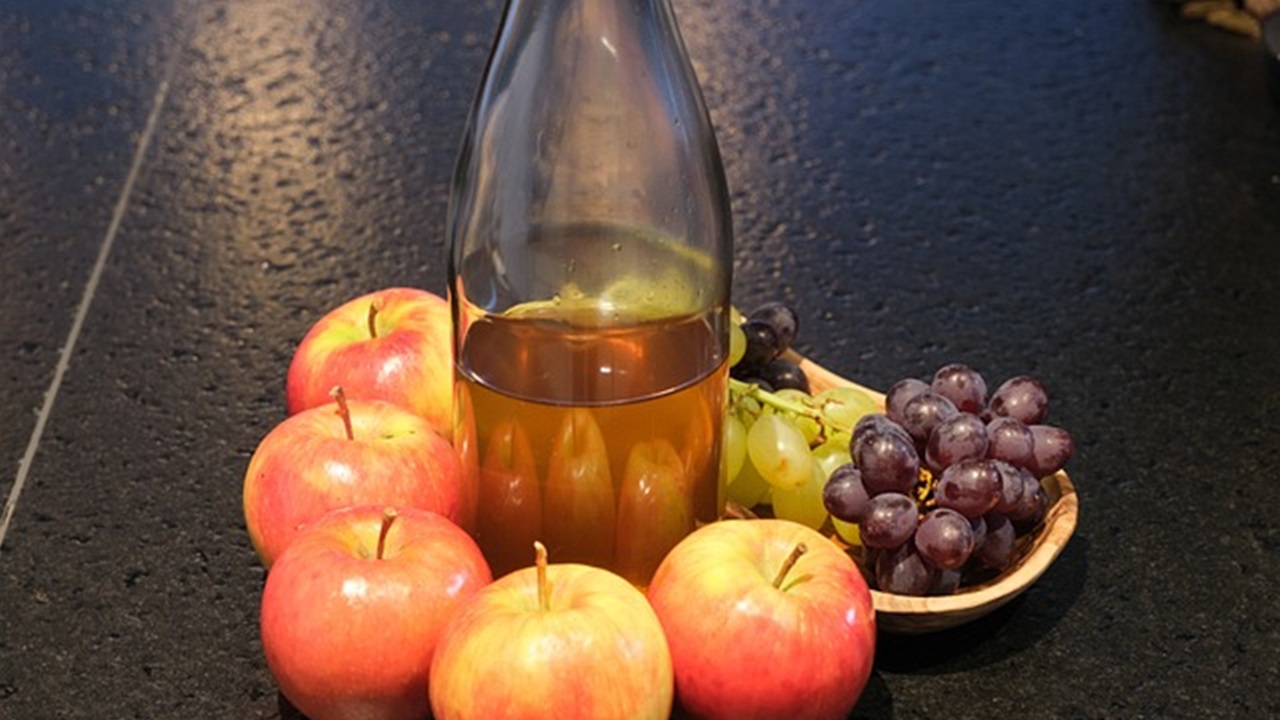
617 24
589 117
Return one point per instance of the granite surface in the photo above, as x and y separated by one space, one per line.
1087 191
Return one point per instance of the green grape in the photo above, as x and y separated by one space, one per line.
847 531
804 504
748 408
737 344
808 426
840 438
845 406
780 452
735 446
832 454
748 489
794 395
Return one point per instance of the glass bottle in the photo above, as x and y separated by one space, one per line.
589 275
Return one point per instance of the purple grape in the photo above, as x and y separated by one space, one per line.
945 539
780 373
979 527
903 572
924 412
888 463
962 437
1051 448
1031 505
1010 441
997 552
1039 508
970 487
1022 398
844 495
961 385
876 423
781 318
889 521
899 394
945 582
870 426
1011 484
762 346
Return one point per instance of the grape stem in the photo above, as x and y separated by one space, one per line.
752 390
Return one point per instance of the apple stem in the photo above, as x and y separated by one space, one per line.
789 563
375 306
389 516
544 587
344 412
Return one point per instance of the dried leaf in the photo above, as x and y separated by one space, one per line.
1200 9
1237 21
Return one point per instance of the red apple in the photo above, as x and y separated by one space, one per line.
342 454
352 611
765 619
562 641
393 345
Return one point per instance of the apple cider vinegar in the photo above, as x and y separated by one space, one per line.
602 442
590 263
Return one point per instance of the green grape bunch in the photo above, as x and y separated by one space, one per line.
782 443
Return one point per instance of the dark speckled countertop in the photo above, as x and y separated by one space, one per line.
1088 191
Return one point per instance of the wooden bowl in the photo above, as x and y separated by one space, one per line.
910 615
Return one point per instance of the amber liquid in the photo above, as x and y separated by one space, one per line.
603 442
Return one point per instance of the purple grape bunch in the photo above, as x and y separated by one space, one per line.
943 484
770 330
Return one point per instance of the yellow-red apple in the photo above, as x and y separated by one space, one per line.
393 345
766 620
353 609
341 454
561 641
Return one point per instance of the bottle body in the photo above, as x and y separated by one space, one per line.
589 279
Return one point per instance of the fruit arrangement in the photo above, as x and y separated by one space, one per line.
935 492
379 603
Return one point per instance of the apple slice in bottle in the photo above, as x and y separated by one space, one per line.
699 450
510 517
655 511
465 444
578 493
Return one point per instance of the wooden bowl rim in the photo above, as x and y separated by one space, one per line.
908 614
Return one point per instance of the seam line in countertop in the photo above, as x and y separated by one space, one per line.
82 311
